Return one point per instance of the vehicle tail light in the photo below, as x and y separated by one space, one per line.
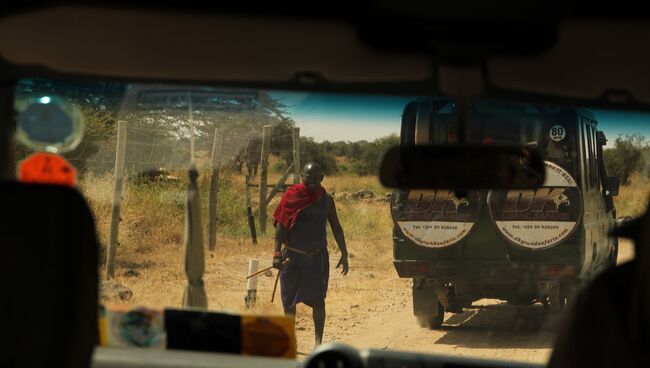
561 270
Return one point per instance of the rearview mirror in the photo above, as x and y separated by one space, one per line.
612 185
48 123
462 167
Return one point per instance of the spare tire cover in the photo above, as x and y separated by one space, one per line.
540 218
437 218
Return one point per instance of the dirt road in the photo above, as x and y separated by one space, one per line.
490 329
369 308
383 319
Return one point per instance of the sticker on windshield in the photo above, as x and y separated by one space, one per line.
436 219
557 132
540 218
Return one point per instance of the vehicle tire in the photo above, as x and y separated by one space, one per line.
432 322
613 257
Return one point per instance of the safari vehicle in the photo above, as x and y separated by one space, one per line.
519 245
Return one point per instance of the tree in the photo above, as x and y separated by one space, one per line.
340 148
242 129
369 158
312 151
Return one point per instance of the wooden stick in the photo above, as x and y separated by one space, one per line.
275 286
258 272
286 262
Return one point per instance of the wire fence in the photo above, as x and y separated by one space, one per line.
151 148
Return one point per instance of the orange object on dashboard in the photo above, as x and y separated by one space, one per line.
47 168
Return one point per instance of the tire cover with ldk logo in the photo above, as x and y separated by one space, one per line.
540 218
436 218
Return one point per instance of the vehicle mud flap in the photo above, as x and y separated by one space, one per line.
426 306
425 298
448 299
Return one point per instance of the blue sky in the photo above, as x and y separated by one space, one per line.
357 117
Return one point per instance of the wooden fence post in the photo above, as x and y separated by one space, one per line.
264 165
296 155
279 183
120 153
190 114
251 285
249 208
215 164
276 187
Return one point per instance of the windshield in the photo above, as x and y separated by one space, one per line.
429 271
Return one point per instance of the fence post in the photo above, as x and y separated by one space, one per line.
279 183
264 164
215 164
249 208
251 286
296 155
120 153
190 114
276 187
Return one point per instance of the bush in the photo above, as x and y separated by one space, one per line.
626 156
279 167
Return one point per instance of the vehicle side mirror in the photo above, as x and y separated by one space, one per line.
612 185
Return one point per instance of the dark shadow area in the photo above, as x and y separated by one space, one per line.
502 326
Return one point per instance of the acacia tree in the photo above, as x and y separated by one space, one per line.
242 129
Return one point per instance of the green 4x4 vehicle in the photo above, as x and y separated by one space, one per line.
521 246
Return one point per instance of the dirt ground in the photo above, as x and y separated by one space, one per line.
369 308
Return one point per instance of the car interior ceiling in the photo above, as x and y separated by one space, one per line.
578 62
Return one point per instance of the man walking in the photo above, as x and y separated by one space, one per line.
300 225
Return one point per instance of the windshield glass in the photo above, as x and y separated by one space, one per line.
487 275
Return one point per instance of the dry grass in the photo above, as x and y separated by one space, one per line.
632 199
151 229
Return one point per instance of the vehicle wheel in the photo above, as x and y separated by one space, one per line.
432 322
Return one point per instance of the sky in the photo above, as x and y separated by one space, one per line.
337 117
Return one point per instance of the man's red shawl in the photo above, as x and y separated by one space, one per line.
294 200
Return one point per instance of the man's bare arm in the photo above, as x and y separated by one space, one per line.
339 236
280 236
